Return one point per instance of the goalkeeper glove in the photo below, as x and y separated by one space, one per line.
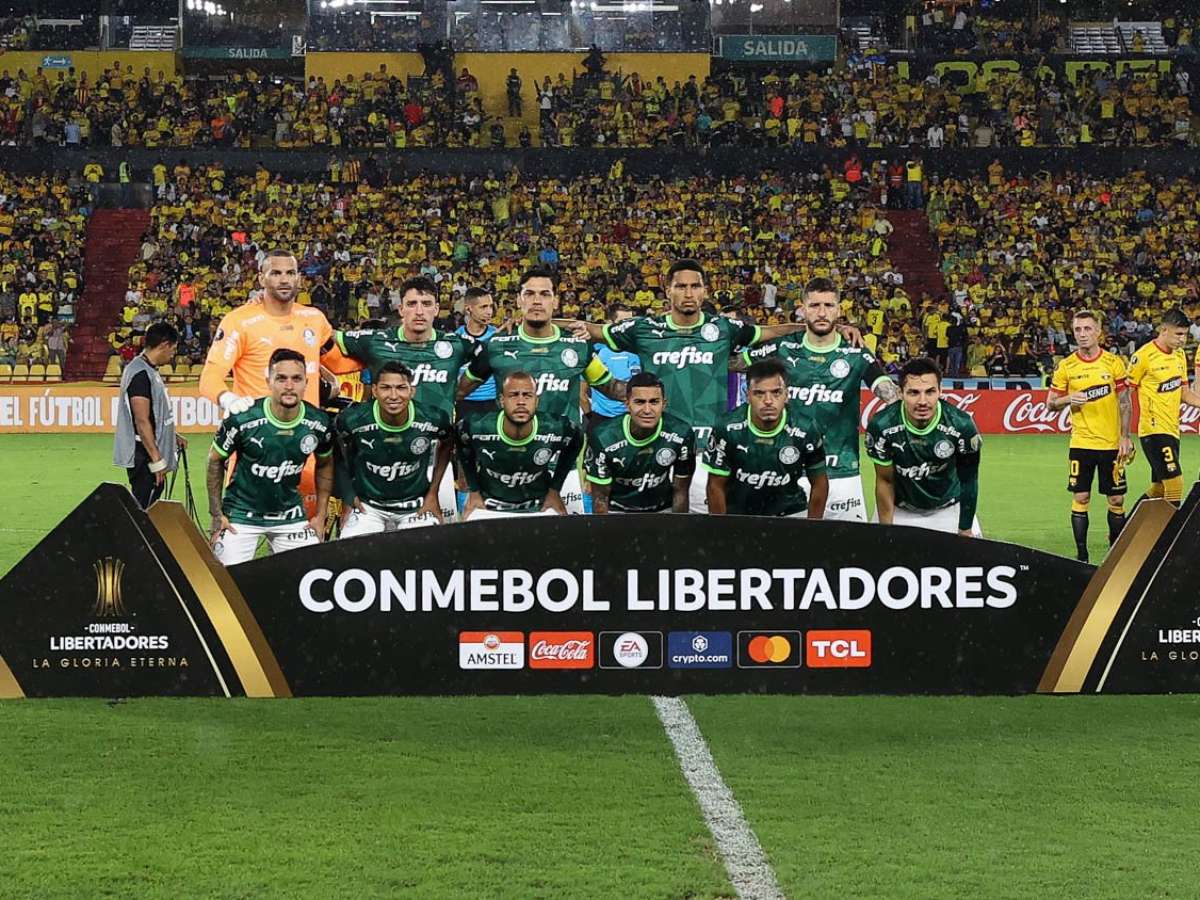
231 404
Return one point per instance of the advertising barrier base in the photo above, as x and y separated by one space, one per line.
118 602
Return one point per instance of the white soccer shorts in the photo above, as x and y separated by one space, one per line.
447 495
480 515
371 520
944 519
572 493
239 545
846 501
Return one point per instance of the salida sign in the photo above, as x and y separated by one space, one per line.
116 602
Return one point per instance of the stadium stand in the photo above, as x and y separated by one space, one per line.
42 221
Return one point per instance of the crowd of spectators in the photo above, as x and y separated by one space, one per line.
1017 254
868 106
26 33
42 220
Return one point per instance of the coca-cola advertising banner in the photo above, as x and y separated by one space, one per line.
117 602
1016 411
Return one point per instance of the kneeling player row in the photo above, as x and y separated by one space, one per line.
765 458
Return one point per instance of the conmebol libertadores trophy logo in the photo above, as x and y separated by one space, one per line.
108 588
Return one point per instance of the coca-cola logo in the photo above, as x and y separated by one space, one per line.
1026 414
561 650
1189 419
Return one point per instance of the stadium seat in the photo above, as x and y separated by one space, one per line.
5 372
37 372
197 368
54 372
20 372
979 372
112 372
167 371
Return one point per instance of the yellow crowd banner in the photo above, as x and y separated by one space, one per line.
86 408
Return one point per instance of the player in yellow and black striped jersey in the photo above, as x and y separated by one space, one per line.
1159 371
1092 382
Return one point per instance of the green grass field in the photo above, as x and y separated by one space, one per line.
567 797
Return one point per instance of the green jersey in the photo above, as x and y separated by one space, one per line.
693 362
516 475
557 364
935 465
388 464
640 472
435 363
827 381
271 455
764 468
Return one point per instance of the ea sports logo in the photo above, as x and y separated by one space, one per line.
631 650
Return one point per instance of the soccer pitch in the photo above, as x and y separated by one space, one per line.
583 796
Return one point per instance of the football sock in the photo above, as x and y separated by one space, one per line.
1173 490
1079 527
1116 521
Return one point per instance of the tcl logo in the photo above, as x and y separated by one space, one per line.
561 650
838 649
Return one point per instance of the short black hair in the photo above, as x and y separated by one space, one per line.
616 308
161 333
474 293
1174 318
537 272
422 284
820 285
918 366
518 374
645 380
287 354
686 265
394 368
771 367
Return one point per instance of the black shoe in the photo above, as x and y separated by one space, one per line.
1082 558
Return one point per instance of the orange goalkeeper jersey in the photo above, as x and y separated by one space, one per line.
245 341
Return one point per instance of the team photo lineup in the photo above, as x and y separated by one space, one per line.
792 449
675 449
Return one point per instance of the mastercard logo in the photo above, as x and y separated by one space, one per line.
763 649
769 649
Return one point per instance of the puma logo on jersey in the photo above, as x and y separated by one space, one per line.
490 454
256 441
391 346
369 444
741 448
512 353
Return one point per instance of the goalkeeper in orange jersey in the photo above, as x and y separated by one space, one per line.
248 335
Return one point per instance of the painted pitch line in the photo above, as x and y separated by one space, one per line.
745 862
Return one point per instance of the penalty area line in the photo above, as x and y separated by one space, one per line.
745 862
